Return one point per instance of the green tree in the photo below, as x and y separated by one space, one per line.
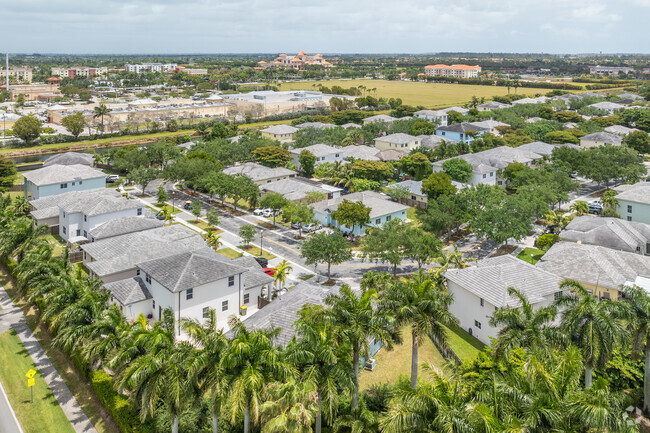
561 137
7 173
272 156
326 248
74 123
580 207
282 270
372 170
307 161
219 130
142 176
27 128
213 216
459 169
350 214
638 140
162 195
439 183
172 125
298 213
416 165
421 246
212 239
594 325
386 243
639 308
196 206
356 321
247 233
274 201
289 407
422 305
99 112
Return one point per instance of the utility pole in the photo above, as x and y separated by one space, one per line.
7 72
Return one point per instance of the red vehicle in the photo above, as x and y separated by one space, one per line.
269 271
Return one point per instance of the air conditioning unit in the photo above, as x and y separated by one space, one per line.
370 364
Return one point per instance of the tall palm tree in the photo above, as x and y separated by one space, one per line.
206 366
251 361
422 305
639 305
523 325
282 270
289 407
21 236
556 219
580 207
593 325
359 420
100 111
450 260
36 268
212 239
21 206
356 321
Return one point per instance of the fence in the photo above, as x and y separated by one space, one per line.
446 352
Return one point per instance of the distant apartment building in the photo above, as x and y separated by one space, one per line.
192 71
299 61
611 70
16 75
453 71
34 92
79 71
151 67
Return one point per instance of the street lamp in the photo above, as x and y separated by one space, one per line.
173 204
261 239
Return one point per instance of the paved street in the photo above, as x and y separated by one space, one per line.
8 421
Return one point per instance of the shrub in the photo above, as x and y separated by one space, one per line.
118 407
544 242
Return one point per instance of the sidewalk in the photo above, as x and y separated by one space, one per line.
13 317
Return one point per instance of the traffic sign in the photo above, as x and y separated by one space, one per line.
31 373
31 381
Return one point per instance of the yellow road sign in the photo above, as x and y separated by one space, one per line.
30 373
31 381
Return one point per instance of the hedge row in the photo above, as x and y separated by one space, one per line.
124 414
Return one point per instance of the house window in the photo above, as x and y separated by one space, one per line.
388 218
63 214
231 281
137 271
85 234
224 306
147 278
206 312
72 183
81 182
484 175
629 208
154 303
337 155
557 295
491 174
629 218
482 302
78 232
246 298
64 230
85 218
64 185
378 221
412 197
139 211
189 294
442 133
477 324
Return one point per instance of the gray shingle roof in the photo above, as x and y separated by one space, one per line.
414 186
316 125
606 105
296 188
48 207
70 158
489 124
101 204
490 279
122 253
593 264
498 157
432 141
603 136
608 232
638 192
282 312
379 204
398 138
318 150
351 125
538 147
391 154
62 173
494 105
258 172
187 270
254 275
360 152
128 291
379 118
280 129
461 128
122 226
620 130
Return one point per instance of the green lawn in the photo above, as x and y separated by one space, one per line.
57 244
463 344
530 255
307 277
252 249
230 253
45 414
169 208
436 95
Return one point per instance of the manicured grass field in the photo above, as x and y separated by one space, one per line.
255 250
45 414
230 253
530 255
433 95
463 344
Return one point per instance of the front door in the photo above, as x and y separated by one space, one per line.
159 312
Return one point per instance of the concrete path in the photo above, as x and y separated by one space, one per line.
12 316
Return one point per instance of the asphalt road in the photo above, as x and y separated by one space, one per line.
8 421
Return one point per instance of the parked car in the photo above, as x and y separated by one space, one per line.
112 178
296 226
268 213
312 228
264 263
258 211
269 271
187 205
595 208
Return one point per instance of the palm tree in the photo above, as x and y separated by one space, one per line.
609 199
580 207
356 321
450 260
522 325
21 205
593 325
36 268
424 306
289 407
639 305
206 363
100 111
359 420
212 239
21 236
251 362
282 270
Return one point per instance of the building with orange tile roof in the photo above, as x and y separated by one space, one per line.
299 62
453 71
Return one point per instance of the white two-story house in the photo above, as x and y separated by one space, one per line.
322 152
57 179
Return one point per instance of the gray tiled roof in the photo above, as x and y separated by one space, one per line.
48 207
603 136
432 141
129 291
122 253
498 157
122 226
620 130
318 150
316 125
398 138
70 158
379 204
593 264
493 105
100 204
280 129
191 269
62 173
489 124
254 275
351 125
379 118
360 152
414 186
538 147
282 312
606 105
608 232
490 279
296 188
391 154
258 172
461 128
638 192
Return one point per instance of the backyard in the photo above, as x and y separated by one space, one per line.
530 255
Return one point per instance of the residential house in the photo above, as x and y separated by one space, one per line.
279 132
417 197
434 116
457 109
77 218
599 269
124 225
57 179
464 132
45 211
70 158
631 96
615 233
481 289
379 118
544 149
382 210
116 258
191 283
600 139
399 141
538 100
634 202
492 105
620 130
490 125
391 154
258 173
433 141
610 107
316 125
360 152
350 125
322 152
298 188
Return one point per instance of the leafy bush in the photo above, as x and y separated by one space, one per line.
546 241
125 416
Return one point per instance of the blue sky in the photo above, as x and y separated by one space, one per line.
327 26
